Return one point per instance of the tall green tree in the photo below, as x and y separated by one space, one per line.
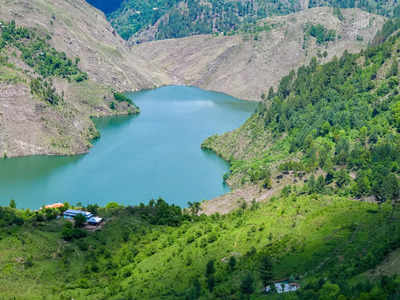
194 207
247 284
211 282
265 269
13 204
210 269
232 263
80 220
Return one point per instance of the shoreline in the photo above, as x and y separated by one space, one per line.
80 154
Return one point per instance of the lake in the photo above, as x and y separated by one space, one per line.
154 154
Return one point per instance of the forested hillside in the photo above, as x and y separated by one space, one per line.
174 19
148 20
389 8
338 120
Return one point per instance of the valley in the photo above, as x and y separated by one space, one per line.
260 57
302 180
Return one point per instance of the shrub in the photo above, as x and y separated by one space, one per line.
80 220
69 233
122 98
28 262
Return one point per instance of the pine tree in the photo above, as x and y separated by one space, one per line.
211 282
232 263
13 204
266 269
247 285
210 268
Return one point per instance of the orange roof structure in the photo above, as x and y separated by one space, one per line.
55 205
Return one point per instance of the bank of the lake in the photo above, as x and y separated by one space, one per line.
154 154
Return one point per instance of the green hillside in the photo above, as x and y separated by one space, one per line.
339 121
155 252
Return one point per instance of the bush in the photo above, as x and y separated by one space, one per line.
69 233
80 220
122 98
83 245
81 77
92 208
321 33
28 262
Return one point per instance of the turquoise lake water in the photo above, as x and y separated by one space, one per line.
154 154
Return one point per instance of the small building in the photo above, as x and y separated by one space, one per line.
283 287
94 220
71 213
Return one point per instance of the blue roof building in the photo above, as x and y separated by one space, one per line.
71 213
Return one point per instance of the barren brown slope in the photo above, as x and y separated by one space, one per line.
244 67
79 29
29 125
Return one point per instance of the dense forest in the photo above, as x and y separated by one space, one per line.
333 127
340 118
389 8
174 19
183 18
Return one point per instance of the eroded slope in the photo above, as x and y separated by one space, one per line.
79 29
246 65
30 125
